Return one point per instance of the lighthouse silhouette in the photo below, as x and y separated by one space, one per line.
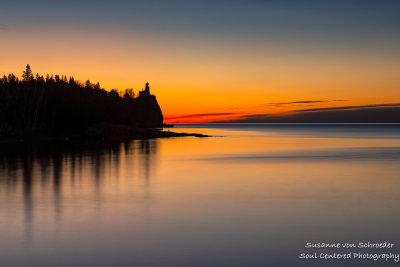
146 91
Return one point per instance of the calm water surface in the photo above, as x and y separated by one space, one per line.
249 196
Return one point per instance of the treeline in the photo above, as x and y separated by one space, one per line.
37 105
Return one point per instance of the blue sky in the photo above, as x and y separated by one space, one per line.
339 20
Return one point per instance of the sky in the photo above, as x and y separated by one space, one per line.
215 60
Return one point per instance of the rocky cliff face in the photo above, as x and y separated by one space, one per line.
148 113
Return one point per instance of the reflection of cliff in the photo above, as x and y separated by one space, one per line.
50 172
49 160
148 149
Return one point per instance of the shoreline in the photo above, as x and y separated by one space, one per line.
105 134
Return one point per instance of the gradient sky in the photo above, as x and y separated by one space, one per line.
214 60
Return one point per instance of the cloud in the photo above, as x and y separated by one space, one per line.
376 113
346 108
199 115
296 102
3 27
302 102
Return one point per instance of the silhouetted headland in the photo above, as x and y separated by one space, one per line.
38 107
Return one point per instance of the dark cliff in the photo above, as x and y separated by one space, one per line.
148 112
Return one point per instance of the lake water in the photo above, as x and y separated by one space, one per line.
251 195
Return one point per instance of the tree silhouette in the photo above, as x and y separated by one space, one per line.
54 105
113 93
27 74
129 93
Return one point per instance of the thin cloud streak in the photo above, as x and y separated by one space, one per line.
3 27
302 102
200 115
377 113
350 107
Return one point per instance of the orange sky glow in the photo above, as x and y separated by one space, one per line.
211 80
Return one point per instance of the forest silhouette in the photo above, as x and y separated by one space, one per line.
54 105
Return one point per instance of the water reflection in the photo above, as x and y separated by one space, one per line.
52 171
250 198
